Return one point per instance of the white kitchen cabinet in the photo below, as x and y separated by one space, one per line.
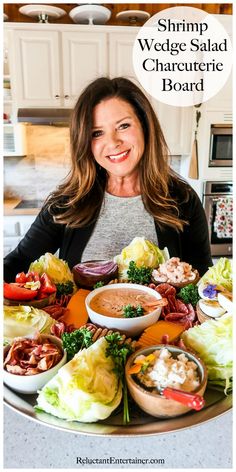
52 67
14 228
36 67
84 58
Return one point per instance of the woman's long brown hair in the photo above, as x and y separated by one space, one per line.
77 201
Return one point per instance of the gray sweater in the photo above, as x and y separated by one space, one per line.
120 220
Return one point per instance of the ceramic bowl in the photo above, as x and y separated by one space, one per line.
153 403
32 383
128 326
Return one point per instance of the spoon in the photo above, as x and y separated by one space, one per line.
192 400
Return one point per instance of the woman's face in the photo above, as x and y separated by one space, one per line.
117 137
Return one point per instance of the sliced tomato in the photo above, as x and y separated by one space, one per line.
32 276
47 286
15 291
21 278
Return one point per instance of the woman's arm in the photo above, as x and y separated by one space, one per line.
195 237
43 236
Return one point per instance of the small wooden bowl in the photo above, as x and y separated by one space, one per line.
35 303
183 284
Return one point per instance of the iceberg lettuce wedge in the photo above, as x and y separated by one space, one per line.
20 321
143 252
57 269
220 274
213 341
85 389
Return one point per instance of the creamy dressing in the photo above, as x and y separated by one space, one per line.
111 302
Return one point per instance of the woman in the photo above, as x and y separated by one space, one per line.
120 186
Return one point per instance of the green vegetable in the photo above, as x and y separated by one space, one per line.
76 340
85 389
220 274
119 352
57 269
143 252
65 288
213 342
189 294
25 321
139 275
99 284
132 311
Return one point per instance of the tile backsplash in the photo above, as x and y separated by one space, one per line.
48 140
47 163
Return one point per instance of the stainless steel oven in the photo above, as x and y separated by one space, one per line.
221 143
218 205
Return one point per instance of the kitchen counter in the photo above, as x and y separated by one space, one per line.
29 444
11 210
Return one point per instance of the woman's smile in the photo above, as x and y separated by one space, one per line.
122 156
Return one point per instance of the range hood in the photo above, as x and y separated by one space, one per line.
45 116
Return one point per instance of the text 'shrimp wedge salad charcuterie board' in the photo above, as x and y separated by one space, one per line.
139 345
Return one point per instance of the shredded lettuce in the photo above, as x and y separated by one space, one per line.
85 389
57 269
220 274
20 321
143 252
212 340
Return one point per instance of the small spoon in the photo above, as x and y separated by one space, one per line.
192 400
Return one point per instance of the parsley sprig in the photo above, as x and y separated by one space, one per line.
76 340
119 352
139 275
189 294
131 311
65 288
98 284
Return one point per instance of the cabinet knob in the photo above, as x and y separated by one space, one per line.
66 96
57 96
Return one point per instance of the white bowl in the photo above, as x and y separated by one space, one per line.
128 326
32 383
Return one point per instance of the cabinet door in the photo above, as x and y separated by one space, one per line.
37 79
177 126
120 55
84 57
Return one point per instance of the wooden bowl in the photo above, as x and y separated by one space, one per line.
35 303
153 403
183 284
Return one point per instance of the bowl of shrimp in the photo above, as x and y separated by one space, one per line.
175 272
